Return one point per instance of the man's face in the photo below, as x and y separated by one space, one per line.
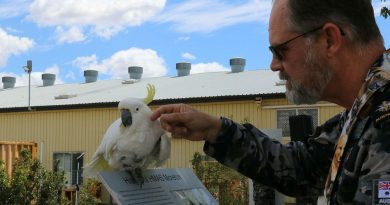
311 86
305 70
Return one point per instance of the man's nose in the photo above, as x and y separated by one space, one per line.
275 65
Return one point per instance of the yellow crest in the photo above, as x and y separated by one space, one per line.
151 91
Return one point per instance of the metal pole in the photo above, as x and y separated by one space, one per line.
77 183
29 90
77 178
41 153
28 69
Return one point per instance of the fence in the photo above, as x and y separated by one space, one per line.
10 150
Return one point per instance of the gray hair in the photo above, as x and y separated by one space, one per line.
355 17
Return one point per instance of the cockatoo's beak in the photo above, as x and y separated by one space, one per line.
127 120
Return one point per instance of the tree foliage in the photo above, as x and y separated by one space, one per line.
90 192
226 185
31 184
385 11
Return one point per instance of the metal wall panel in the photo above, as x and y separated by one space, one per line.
81 130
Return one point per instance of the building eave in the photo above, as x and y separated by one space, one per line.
153 103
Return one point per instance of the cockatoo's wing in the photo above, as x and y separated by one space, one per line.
110 139
161 152
165 149
99 162
96 165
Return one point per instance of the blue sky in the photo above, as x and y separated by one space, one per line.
68 36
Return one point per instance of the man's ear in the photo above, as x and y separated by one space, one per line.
334 38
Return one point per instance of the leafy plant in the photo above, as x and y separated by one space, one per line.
4 183
90 192
385 11
30 183
225 184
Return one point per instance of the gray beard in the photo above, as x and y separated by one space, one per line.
319 76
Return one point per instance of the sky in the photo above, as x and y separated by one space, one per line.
66 37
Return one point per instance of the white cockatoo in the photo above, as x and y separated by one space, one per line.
133 142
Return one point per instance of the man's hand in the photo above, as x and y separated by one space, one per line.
186 122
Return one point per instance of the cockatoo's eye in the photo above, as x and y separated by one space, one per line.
137 109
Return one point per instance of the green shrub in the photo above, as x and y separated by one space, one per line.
30 183
90 192
226 185
4 184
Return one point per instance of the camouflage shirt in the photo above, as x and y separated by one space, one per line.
301 168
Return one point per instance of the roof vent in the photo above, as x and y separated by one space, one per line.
90 76
64 96
48 79
237 64
183 69
8 82
135 72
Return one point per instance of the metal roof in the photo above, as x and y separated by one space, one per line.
202 85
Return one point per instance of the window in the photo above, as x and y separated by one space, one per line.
69 162
282 117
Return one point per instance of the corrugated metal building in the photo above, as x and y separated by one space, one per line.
66 120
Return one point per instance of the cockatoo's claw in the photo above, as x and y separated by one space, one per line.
137 176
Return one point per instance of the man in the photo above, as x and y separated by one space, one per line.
325 50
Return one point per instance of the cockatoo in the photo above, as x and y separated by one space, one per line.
133 142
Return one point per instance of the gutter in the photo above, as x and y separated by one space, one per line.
153 103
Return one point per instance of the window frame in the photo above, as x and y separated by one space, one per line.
73 166
315 122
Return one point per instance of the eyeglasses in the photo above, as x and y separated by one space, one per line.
277 51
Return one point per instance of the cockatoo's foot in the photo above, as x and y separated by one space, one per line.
137 176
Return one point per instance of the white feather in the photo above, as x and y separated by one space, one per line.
140 145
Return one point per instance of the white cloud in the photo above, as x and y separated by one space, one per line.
104 18
184 38
207 67
70 75
36 77
71 35
107 32
188 56
12 8
11 30
12 45
209 15
116 66
85 62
